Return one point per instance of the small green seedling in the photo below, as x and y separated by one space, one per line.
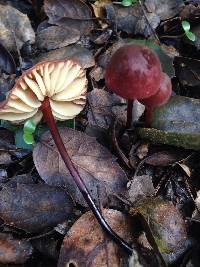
186 27
29 129
126 2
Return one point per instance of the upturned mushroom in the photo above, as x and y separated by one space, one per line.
54 90
133 72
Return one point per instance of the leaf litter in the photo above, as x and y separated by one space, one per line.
33 209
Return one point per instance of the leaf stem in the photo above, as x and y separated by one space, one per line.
48 116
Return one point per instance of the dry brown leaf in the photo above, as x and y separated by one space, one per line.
74 52
101 105
14 23
86 245
96 165
71 13
164 9
140 187
56 37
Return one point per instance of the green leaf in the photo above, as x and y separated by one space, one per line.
29 127
186 25
191 36
127 2
28 139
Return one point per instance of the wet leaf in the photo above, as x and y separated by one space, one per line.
87 245
74 14
14 27
74 52
188 71
7 63
56 37
167 226
13 250
96 165
175 123
34 207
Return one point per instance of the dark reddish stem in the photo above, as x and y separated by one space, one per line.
129 114
48 116
148 116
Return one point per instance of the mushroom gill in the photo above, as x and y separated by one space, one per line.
64 82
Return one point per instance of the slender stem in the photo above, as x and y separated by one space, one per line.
48 116
148 116
129 114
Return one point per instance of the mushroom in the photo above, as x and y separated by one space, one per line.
55 90
159 99
133 72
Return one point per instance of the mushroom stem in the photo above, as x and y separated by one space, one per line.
129 114
48 116
148 116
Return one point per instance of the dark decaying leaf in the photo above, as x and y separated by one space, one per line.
96 165
14 250
87 245
7 63
164 9
34 207
71 13
167 226
166 158
75 52
175 123
56 37
131 19
188 71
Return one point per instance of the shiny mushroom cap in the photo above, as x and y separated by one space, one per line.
64 82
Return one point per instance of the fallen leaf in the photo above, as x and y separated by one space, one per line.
13 250
167 226
74 52
165 158
12 20
101 104
140 187
131 19
96 165
56 37
87 245
7 63
34 207
188 71
164 9
74 14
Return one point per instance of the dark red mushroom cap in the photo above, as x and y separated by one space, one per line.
133 72
162 95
